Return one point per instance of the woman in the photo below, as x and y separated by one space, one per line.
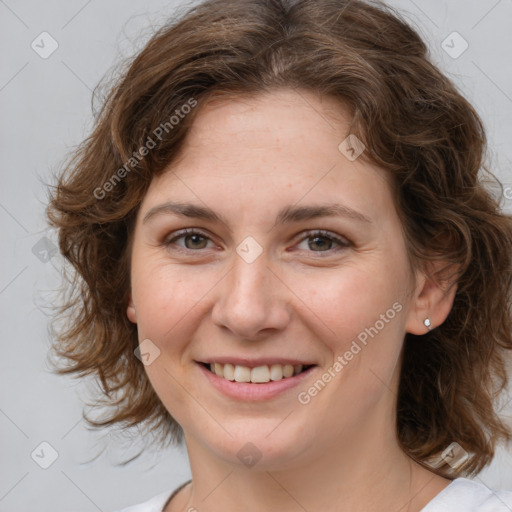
285 257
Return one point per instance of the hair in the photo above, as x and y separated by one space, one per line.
415 125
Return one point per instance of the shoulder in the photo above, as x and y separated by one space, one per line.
155 504
464 495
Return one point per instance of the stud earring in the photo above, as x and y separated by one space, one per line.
427 323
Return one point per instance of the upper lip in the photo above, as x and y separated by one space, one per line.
254 362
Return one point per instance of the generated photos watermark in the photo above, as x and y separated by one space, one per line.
305 397
151 142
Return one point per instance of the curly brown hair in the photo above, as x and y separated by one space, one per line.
415 125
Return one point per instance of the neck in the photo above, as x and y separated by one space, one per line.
355 476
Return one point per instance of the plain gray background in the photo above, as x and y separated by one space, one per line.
45 111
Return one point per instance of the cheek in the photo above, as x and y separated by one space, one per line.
362 320
345 301
167 297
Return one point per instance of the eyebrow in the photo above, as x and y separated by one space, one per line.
288 214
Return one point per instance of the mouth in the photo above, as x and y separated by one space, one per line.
259 380
261 374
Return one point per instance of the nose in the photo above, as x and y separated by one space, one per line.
252 300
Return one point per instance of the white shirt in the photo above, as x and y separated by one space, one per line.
462 495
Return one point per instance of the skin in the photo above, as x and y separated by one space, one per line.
305 297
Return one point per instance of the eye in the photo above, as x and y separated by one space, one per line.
324 241
193 239
321 241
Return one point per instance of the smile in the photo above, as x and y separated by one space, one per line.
254 380
257 375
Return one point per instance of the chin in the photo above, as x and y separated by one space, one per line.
256 446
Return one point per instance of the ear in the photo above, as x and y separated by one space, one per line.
130 311
432 298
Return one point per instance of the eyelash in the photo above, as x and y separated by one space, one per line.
308 234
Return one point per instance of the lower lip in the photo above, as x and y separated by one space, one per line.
248 391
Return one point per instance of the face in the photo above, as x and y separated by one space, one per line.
268 284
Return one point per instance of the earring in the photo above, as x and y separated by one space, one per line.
427 323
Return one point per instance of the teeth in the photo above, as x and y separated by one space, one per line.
259 374
242 374
219 370
276 372
287 370
229 372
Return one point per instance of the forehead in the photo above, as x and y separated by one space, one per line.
273 117
280 142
